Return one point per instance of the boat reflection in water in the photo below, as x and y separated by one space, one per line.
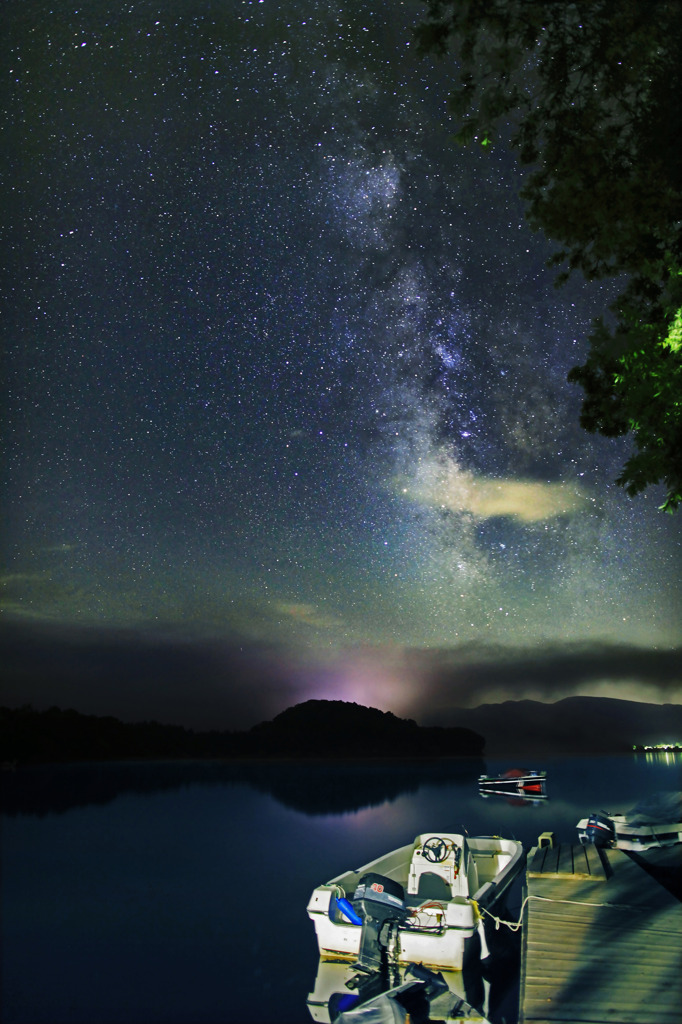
537 800
342 995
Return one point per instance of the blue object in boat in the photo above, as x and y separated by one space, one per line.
346 909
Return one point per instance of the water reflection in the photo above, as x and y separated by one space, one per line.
326 787
176 893
664 756
458 995
514 801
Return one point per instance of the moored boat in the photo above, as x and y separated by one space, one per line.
530 783
421 903
650 824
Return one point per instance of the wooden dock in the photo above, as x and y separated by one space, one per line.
602 940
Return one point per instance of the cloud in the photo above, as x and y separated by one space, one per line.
474 675
205 683
138 675
33 595
440 482
308 614
11 579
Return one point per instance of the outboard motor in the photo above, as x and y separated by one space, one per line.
379 901
599 830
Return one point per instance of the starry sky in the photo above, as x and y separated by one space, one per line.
286 412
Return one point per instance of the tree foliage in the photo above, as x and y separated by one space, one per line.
590 92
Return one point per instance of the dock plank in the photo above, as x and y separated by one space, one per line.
565 863
579 860
594 861
601 943
544 860
537 861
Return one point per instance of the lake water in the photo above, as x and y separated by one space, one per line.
176 893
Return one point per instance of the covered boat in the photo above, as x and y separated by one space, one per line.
514 781
653 822
421 903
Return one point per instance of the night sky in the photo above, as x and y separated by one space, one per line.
286 413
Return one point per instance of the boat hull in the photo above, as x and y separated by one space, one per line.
442 947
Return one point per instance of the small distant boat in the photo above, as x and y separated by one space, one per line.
514 781
653 822
420 903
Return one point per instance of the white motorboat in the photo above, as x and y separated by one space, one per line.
420 903
650 824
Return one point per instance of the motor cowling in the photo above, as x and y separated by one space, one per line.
379 901
599 830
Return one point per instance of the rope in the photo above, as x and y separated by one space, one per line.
515 925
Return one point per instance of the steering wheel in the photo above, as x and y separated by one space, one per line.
435 849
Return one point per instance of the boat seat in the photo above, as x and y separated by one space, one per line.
433 887
446 869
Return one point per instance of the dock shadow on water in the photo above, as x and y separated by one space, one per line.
176 893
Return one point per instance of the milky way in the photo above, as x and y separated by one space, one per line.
285 365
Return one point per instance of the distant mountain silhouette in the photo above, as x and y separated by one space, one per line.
575 725
336 728
333 730
363 757
316 729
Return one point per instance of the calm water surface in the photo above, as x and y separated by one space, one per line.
177 893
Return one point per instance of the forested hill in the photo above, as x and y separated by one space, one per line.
316 729
322 728
325 729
